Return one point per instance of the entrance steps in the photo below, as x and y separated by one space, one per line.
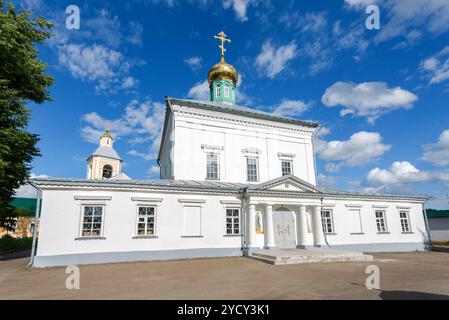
296 256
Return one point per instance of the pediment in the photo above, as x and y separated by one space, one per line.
287 183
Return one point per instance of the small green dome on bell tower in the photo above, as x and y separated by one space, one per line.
222 77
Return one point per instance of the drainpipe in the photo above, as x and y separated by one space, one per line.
243 218
36 222
427 228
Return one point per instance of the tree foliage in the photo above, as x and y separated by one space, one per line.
22 80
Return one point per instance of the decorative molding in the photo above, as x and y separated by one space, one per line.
375 206
97 198
145 199
357 206
286 156
187 201
404 207
251 152
260 123
211 149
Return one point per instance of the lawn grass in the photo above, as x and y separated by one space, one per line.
9 244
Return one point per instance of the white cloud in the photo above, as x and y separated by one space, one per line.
200 91
368 99
291 108
436 68
154 170
194 62
240 8
141 120
361 148
96 63
438 153
402 173
431 16
327 181
129 83
271 60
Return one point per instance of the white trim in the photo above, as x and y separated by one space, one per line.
88 198
354 205
145 199
374 206
403 207
286 156
211 149
192 200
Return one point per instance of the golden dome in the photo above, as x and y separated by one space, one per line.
223 71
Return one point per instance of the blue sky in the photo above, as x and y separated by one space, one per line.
381 95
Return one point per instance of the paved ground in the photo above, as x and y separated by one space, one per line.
403 276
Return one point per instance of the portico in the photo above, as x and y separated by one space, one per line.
286 225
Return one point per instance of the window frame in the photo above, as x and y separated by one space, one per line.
238 218
207 165
81 227
379 220
226 91
218 91
138 216
290 162
407 220
324 222
256 171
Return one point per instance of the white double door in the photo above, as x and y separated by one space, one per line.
284 229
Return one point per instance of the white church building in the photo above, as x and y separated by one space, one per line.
232 179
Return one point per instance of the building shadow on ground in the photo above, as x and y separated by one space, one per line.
440 249
411 295
15 255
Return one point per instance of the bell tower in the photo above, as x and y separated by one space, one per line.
104 162
222 77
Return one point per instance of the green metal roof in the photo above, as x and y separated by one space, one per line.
24 206
433 213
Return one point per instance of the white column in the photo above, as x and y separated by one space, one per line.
318 237
269 230
302 226
252 225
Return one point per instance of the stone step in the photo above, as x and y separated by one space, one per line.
305 257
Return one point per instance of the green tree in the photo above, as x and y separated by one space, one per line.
22 80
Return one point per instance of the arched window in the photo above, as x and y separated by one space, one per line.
226 91
218 91
107 171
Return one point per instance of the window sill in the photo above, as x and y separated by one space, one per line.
146 237
90 238
357 233
192 236
383 232
210 179
407 232
232 235
331 234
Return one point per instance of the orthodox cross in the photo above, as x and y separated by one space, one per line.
222 37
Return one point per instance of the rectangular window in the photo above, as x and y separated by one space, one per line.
212 166
328 224
232 221
191 221
146 221
92 221
355 221
380 221
251 168
286 168
405 221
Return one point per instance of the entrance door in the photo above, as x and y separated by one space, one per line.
284 229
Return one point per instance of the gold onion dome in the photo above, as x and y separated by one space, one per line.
223 71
